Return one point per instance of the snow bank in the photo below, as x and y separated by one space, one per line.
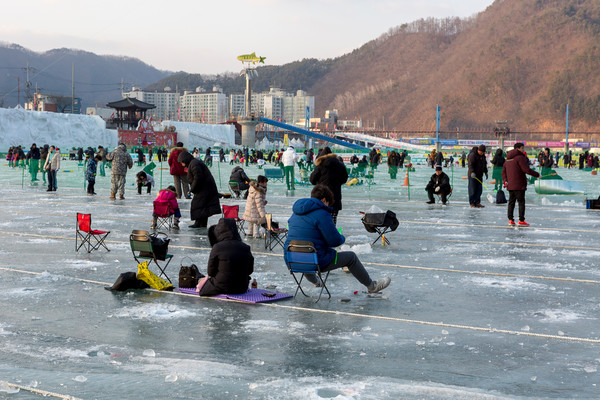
22 127
193 134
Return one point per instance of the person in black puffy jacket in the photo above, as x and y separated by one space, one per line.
202 184
331 172
230 263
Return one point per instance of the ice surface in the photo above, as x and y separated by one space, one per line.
434 334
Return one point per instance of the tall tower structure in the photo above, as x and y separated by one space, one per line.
249 121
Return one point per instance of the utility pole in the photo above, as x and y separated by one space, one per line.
72 88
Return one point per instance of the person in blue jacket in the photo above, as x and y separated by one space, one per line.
312 221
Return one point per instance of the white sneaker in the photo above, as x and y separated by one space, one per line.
346 269
380 284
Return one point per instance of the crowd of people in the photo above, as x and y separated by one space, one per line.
313 219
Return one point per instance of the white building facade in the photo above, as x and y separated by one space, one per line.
166 102
204 107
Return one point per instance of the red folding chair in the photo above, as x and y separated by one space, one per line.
233 212
85 233
164 214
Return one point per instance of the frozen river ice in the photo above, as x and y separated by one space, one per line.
475 310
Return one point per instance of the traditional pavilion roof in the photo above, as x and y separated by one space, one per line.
130 103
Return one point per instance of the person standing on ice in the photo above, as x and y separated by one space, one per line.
311 222
102 154
121 161
330 171
289 159
178 172
33 157
515 181
52 165
205 202
477 168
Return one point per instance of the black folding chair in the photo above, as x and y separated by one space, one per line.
275 236
301 258
142 248
380 223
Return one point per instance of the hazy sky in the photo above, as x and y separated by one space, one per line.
206 36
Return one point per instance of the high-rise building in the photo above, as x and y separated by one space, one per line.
166 102
275 104
204 107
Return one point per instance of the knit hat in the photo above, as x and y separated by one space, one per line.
438 167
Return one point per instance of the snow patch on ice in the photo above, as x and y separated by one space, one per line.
84 263
570 203
357 239
364 248
554 316
507 284
154 312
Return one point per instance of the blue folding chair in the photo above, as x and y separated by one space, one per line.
301 258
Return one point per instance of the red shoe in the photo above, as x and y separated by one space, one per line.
523 223
511 222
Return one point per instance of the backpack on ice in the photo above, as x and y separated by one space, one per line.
500 197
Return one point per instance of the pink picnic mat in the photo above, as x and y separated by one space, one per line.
251 296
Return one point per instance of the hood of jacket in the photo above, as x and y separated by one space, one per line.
225 229
258 187
185 157
513 154
236 169
122 147
305 206
321 159
179 149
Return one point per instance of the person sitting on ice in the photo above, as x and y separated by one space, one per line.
311 221
438 184
168 195
230 263
143 179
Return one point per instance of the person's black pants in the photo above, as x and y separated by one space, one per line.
514 196
149 187
443 195
90 187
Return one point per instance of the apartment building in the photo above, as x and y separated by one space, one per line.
166 102
205 107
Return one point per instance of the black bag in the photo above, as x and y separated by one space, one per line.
500 197
127 280
387 219
160 245
189 276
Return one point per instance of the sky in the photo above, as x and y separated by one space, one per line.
206 36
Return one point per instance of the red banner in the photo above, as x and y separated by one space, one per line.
160 139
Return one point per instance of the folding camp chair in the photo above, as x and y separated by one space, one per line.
85 233
301 257
274 235
233 213
164 214
234 188
380 223
142 248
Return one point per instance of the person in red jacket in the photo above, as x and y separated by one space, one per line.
513 176
179 172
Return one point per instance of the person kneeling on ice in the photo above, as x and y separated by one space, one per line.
143 179
312 221
230 263
168 195
438 184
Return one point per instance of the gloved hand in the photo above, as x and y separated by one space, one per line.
437 189
473 175
505 184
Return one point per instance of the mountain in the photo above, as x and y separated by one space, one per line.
519 61
97 78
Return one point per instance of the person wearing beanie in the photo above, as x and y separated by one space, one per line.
33 158
477 168
515 181
121 162
202 184
331 172
438 184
